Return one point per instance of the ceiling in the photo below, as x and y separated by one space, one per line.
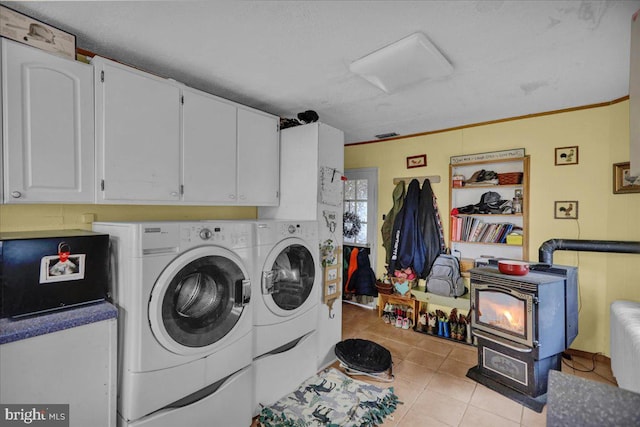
510 58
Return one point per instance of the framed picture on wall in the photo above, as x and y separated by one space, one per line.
566 209
622 182
417 161
567 156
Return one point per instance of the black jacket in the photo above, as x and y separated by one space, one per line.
363 280
408 248
430 228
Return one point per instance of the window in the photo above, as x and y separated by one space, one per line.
356 202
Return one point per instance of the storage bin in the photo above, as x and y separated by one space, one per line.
510 178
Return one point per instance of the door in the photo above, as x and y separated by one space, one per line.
289 278
198 300
49 128
208 149
361 204
258 158
138 135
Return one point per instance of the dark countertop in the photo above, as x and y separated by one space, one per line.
574 401
19 329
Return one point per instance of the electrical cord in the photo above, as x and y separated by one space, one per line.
572 366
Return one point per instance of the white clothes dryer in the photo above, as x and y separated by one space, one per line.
183 290
286 301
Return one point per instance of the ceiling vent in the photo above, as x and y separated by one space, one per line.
387 135
408 61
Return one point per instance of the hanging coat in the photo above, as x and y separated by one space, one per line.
353 266
363 280
387 225
408 245
345 265
430 228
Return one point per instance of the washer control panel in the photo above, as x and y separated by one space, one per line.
228 235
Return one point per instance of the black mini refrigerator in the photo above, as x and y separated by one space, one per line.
41 271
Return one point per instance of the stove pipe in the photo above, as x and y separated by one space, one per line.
545 252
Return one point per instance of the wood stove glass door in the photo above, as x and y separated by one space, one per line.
504 312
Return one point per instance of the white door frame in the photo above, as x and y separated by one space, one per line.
371 175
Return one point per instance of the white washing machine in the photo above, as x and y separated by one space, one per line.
286 301
183 290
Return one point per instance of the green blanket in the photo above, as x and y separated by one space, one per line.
331 399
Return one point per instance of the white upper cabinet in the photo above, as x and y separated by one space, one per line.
154 148
258 158
138 135
48 127
208 149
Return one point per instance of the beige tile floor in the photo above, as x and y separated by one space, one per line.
430 378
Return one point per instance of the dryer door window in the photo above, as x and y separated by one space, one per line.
204 301
290 279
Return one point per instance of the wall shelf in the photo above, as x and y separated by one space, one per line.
471 195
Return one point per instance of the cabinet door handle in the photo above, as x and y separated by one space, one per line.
232 196
174 194
16 194
243 197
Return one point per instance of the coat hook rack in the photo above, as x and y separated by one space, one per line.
434 179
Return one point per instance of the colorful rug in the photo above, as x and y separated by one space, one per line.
331 399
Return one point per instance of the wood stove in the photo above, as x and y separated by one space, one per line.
522 325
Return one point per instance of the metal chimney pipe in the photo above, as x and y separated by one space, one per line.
545 252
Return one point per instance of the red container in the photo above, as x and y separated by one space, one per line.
514 268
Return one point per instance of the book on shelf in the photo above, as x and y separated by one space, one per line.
473 229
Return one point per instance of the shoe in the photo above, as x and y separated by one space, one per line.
399 322
405 323
385 317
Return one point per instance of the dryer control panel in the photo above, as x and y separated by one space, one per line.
307 231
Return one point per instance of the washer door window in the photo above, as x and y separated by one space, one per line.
198 300
289 277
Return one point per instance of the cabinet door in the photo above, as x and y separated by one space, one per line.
208 149
258 158
138 136
49 127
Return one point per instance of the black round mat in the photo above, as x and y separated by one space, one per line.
363 355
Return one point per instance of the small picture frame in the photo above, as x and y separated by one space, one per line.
25 29
331 273
54 268
332 289
417 161
566 209
623 183
331 283
566 156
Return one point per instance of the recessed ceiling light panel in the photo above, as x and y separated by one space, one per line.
403 63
